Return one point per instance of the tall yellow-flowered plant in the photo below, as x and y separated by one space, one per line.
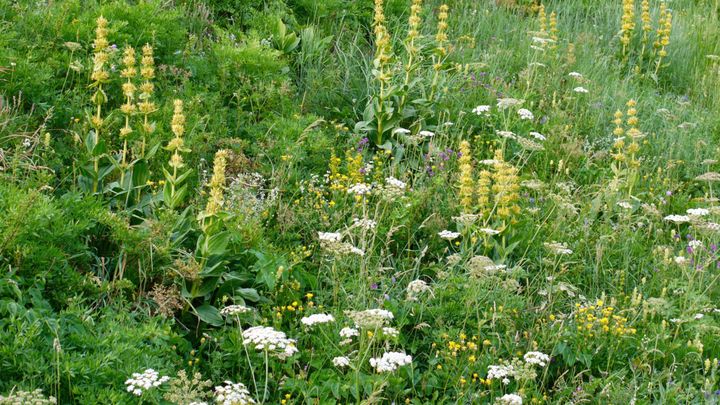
175 189
467 182
128 108
146 106
216 199
506 188
627 24
99 77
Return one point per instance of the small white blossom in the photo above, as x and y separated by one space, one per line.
481 110
426 134
580 90
231 310
525 114
317 319
349 332
390 361
233 394
148 379
698 212
267 338
448 235
510 399
360 189
678 219
537 358
341 362
538 136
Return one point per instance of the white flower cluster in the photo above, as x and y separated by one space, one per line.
341 362
371 318
525 114
678 219
501 372
426 134
366 224
390 332
481 110
349 332
317 319
558 248
448 235
231 310
267 338
393 188
509 399
698 212
390 361
504 103
360 189
233 394
537 358
417 288
580 89
489 231
537 135
332 242
147 380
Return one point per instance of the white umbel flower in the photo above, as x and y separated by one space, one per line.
341 362
510 399
317 319
525 114
266 338
580 90
148 379
233 394
448 235
232 310
390 361
537 358
678 219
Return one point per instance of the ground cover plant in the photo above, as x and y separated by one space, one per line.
337 201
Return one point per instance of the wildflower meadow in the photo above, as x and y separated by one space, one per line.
359 202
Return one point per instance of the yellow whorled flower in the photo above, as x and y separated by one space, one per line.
627 22
414 21
466 183
100 56
217 184
553 28
176 145
146 106
484 192
542 19
441 37
354 163
506 187
663 32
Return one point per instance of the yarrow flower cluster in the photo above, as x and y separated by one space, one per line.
510 399
416 288
501 372
482 110
148 379
537 358
332 242
233 394
232 310
698 212
525 114
678 219
371 318
448 235
267 338
366 224
558 248
360 189
341 362
317 319
390 361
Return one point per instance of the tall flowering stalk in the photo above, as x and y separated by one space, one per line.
216 200
663 32
128 108
466 183
627 24
146 106
99 77
505 188
383 54
441 49
175 190
411 45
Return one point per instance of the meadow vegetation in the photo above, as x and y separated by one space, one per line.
339 201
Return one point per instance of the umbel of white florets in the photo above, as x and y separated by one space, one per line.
233 310
233 394
141 382
341 362
317 319
332 242
371 318
390 362
268 339
416 289
537 358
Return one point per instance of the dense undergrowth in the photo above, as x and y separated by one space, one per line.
295 201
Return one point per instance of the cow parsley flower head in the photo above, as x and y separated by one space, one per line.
501 372
678 219
580 90
481 110
538 136
349 332
341 362
329 236
525 114
390 361
317 319
448 235
367 224
504 103
509 399
148 379
233 394
575 75
426 134
360 189
558 248
698 212
537 358
266 338
416 288
232 310
371 318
